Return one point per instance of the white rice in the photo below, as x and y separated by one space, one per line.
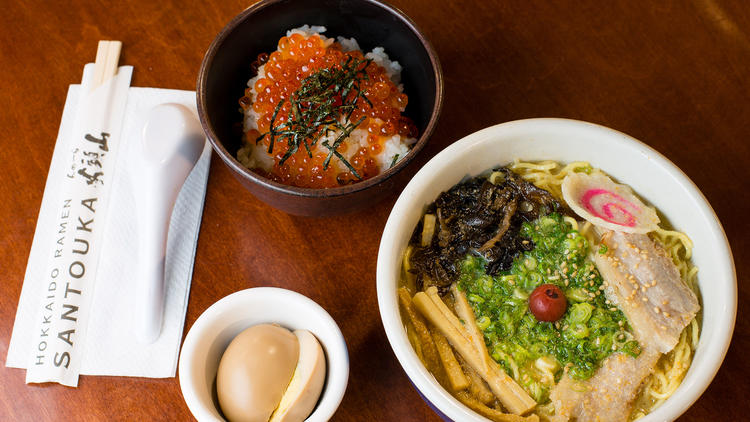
395 148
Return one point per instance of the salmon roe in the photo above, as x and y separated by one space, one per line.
297 58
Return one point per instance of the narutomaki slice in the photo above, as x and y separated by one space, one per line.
598 199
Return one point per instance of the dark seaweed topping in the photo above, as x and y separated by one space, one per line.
479 217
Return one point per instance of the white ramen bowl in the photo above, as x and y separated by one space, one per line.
650 174
221 322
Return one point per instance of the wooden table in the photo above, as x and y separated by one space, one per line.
675 75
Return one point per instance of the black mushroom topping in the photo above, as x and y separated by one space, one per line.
484 216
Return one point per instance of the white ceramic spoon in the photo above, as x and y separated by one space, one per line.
171 144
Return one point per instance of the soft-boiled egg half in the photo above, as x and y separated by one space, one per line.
269 373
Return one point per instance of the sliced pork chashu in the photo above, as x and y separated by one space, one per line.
608 396
641 279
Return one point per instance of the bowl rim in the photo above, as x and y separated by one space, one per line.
276 187
337 376
389 308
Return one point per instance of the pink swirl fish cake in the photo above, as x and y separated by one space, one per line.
598 199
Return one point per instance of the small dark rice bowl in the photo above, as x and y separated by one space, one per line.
226 69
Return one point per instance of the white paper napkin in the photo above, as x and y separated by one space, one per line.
109 346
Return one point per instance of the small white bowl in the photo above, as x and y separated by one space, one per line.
221 322
628 160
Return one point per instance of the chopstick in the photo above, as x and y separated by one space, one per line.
107 57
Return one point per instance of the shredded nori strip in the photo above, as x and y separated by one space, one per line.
324 102
395 159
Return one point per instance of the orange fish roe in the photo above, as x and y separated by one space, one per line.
297 58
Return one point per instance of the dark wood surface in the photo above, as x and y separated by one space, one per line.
673 74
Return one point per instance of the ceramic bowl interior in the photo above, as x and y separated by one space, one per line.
651 175
221 322
226 69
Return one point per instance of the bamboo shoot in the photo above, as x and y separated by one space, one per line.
504 387
428 229
463 309
490 413
429 351
455 374
477 387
